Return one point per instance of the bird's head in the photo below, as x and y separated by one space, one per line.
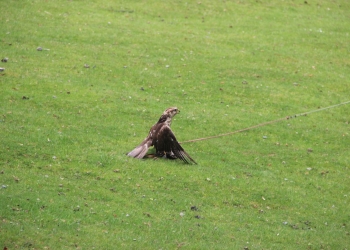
171 112
168 114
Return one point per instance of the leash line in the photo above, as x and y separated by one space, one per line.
265 123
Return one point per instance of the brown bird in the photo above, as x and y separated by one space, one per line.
163 139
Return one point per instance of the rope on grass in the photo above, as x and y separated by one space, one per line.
266 123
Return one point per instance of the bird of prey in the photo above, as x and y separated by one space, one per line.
163 139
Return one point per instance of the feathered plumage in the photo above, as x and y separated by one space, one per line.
163 139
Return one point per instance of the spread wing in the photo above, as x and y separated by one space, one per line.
165 141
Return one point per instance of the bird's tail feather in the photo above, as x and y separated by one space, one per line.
139 152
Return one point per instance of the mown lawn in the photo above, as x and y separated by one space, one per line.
106 71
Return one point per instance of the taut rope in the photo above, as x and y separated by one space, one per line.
266 123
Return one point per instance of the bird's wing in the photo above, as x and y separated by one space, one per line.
166 141
140 151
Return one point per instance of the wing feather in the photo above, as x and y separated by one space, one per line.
166 142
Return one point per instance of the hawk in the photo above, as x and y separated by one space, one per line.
163 139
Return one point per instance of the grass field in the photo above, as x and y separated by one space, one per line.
105 73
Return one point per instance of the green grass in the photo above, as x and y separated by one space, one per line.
65 128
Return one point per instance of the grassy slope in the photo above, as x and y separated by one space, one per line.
68 181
